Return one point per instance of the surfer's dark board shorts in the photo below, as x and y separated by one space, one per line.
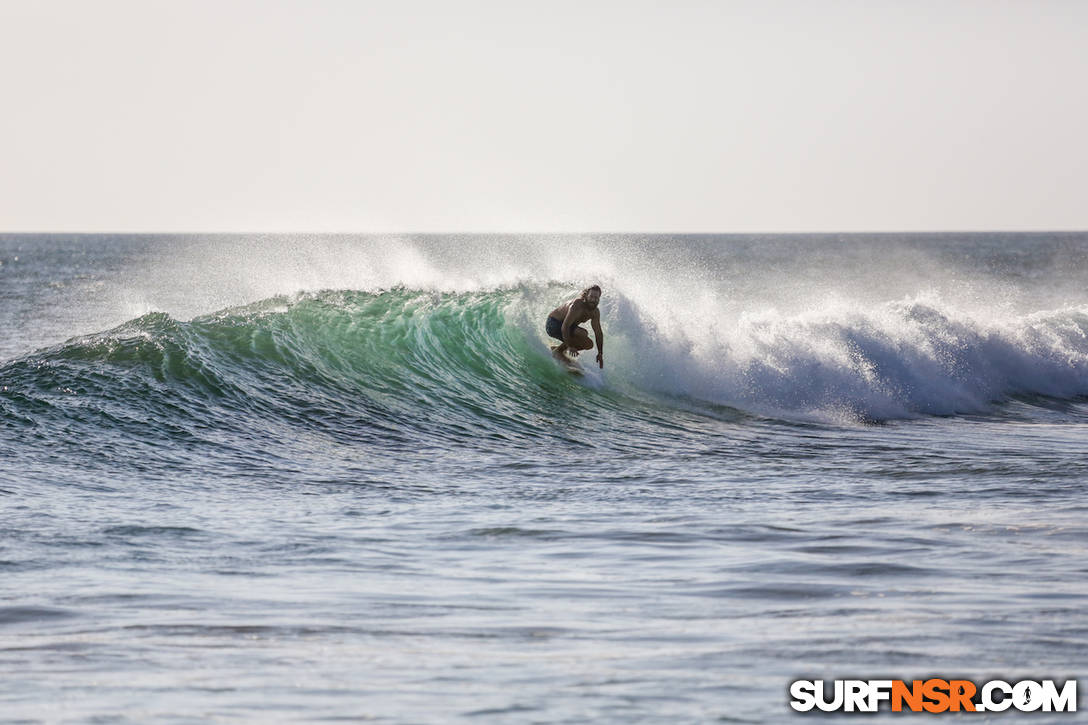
554 328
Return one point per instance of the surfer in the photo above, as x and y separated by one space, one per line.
564 325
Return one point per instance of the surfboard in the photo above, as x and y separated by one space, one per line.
567 364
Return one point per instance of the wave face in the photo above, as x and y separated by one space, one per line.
410 368
395 367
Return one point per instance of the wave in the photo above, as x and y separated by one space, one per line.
899 359
415 368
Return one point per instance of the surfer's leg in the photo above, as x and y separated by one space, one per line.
581 340
554 328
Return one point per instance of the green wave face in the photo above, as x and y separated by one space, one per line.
395 367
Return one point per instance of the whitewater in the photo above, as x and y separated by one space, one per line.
259 478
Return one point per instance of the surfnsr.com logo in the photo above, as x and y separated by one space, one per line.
933 695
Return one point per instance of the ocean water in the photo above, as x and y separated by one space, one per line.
334 478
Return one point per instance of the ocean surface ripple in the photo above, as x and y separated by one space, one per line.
302 479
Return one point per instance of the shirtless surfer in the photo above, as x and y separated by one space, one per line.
563 324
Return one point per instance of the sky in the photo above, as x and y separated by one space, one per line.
507 116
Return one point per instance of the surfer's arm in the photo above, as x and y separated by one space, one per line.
595 323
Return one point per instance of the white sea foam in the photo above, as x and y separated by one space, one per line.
896 359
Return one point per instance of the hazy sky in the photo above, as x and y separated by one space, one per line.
332 115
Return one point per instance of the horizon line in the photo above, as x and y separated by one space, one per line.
884 232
